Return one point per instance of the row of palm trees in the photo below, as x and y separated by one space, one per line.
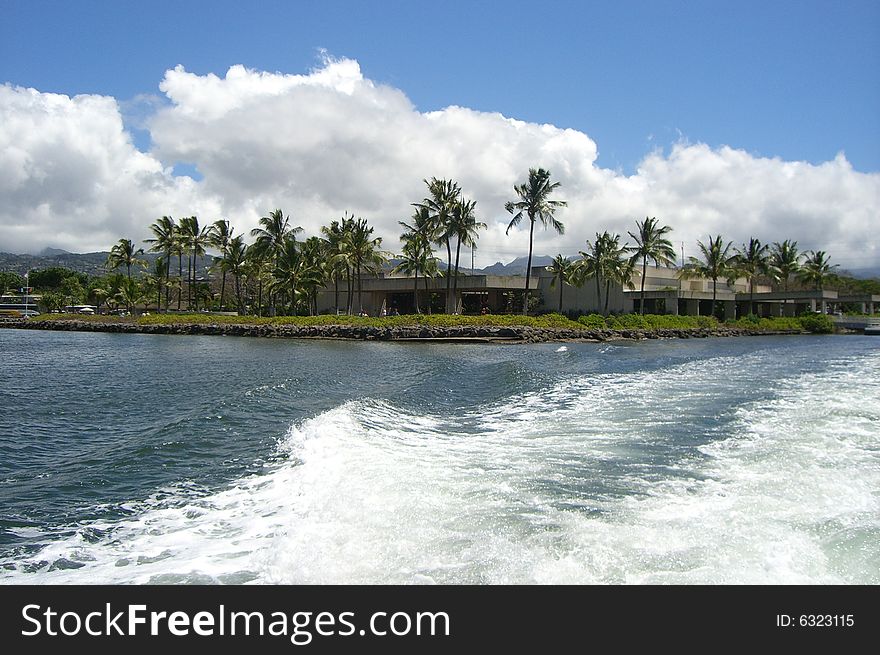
288 272
606 260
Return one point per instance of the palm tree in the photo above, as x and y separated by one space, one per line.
751 261
440 204
258 269
535 203
316 270
195 239
289 266
562 269
125 254
619 269
416 256
335 235
233 262
651 244
816 269
272 235
219 237
717 262
784 261
464 226
417 248
164 241
129 294
606 261
158 279
179 248
365 254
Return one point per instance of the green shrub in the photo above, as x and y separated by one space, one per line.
593 321
817 323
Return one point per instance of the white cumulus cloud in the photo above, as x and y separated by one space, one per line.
319 144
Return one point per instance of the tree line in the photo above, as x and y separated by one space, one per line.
278 272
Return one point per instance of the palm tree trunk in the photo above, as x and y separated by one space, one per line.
428 294
560 292
222 289
360 290
455 285
607 293
598 292
167 279
179 275
448 271
293 297
416 291
642 298
714 285
336 292
751 296
528 267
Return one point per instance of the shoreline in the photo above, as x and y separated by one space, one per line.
406 334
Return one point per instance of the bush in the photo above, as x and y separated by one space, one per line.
593 321
817 323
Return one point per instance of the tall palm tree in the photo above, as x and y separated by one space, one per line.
289 267
365 254
164 241
233 262
751 260
196 239
125 254
417 248
534 202
272 235
562 269
258 269
219 237
651 244
440 204
816 269
316 270
619 269
179 247
717 262
785 261
334 235
465 227
605 261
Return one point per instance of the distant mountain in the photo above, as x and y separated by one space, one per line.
52 252
91 263
865 273
517 266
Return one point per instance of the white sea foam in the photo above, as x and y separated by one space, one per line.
560 486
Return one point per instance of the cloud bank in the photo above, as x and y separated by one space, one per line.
330 141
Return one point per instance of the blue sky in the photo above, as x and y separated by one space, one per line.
796 80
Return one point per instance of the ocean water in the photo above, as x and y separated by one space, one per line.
169 459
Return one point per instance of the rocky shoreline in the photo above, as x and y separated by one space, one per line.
464 333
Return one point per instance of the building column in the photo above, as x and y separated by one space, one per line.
672 306
824 306
812 304
871 307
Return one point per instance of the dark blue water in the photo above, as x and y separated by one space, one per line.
144 458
